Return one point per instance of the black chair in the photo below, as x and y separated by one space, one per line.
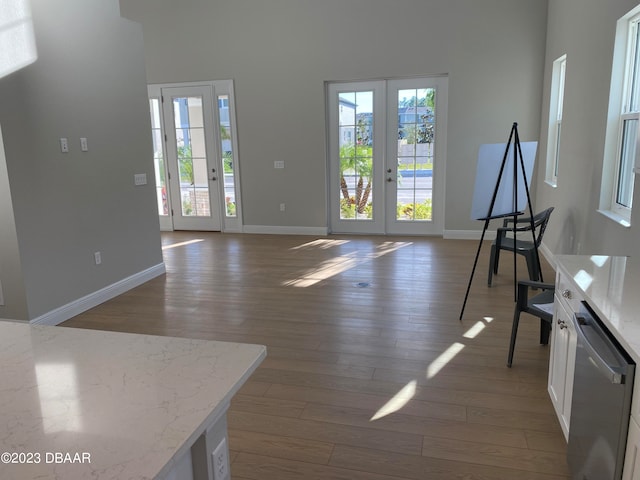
523 243
541 306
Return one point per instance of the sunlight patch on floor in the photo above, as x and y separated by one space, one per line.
474 331
326 269
182 244
334 266
398 401
321 243
443 359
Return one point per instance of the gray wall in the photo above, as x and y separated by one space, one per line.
280 52
10 268
584 30
89 81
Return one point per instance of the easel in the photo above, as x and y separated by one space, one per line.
517 161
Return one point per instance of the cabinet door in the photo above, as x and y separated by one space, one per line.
632 456
562 365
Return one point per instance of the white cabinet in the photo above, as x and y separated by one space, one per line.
632 456
563 354
631 470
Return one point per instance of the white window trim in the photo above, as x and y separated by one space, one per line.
556 108
618 97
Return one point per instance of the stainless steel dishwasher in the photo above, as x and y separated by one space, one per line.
601 403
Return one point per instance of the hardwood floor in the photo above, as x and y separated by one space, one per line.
369 373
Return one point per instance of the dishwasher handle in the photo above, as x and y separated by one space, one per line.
581 320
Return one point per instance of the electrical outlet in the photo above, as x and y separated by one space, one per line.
98 258
64 145
83 144
221 462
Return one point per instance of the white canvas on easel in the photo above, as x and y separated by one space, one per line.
490 158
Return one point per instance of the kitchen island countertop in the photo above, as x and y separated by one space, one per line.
78 403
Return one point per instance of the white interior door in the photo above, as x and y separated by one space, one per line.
387 151
193 172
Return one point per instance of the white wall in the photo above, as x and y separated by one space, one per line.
584 30
89 81
280 53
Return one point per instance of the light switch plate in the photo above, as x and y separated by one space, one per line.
64 145
83 144
278 164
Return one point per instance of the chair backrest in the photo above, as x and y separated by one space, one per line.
540 221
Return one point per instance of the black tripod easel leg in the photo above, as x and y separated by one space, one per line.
473 270
531 220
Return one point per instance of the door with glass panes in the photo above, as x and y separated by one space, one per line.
387 144
194 156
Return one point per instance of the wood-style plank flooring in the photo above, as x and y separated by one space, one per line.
369 373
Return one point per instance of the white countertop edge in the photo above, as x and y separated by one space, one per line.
217 413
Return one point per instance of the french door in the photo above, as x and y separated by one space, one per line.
194 153
387 142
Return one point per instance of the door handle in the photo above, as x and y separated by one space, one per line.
389 179
389 170
214 178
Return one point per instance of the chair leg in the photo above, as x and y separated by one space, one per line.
492 262
532 265
514 332
545 330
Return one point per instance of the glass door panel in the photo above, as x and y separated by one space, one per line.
159 164
356 163
356 155
192 165
226 152
415 159
192 161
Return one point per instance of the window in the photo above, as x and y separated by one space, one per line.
624 118
555 119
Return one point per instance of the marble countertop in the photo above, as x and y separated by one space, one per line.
611 287
133 403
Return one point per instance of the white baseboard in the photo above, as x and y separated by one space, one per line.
278 230
65 312
469 234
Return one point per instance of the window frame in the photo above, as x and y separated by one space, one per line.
625 91
556 110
